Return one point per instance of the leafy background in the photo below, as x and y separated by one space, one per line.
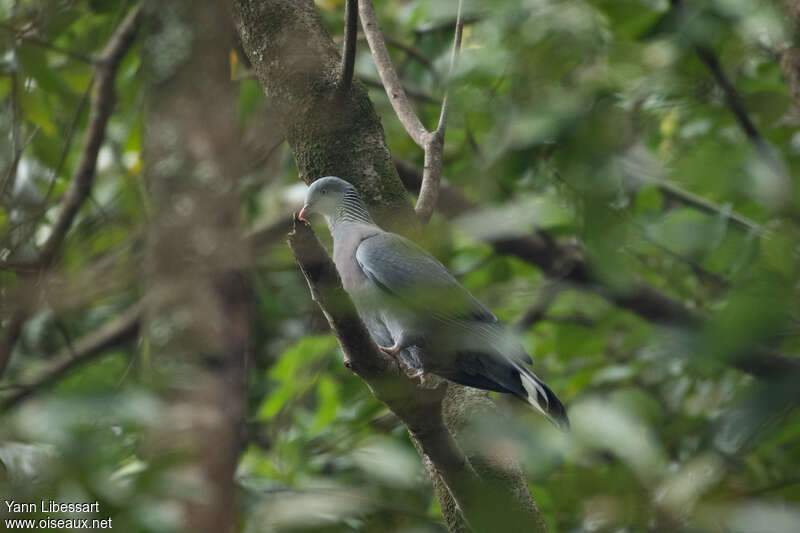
578 117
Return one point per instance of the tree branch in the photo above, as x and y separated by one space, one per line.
78 56
349 46
412 52
343 137
735 104
432 170
391 81
412 92
419 408
102 105
445 25
567 263
116 332
432 143
11 173
81 183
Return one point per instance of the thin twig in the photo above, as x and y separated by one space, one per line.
116 332
453 58
11 173
14 104
432 142
567 263
67 337
432 170
391 81
412 92
737 107
445 25
62 158
412 52
349 46
673 191
420 408
31 220
544 300
38 41
81 183
102 105
735 104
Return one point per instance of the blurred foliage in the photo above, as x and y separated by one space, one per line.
576 116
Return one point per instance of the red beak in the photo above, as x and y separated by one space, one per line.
303 213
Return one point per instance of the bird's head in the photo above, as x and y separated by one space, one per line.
325 197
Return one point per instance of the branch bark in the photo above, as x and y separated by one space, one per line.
349 46
296 61
102 105
116 332
737 107
567 263
80 185
483 502
391 81
432 142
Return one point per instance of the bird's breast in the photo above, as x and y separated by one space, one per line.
345 244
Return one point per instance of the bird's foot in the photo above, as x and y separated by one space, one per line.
418 374
392 351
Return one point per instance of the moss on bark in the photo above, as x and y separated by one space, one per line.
330 132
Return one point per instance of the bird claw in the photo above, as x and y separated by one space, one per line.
412 372
418 374
393 350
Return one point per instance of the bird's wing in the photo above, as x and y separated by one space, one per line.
409 273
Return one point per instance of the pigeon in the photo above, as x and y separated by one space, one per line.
416 311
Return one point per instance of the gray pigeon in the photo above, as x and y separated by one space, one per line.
416 311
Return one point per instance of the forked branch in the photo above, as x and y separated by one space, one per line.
80 185
114 333
420 408
432 142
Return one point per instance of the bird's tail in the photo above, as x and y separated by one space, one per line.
543 399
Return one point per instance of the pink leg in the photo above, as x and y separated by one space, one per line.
418 374
390 350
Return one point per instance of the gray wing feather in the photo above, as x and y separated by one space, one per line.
413 276
405 270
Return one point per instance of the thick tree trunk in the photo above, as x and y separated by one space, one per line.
198 320
331 133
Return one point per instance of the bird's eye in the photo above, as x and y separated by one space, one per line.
324 191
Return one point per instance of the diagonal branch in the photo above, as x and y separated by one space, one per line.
102 105
567 263
114 333
11 174
412 92
432 142
81 183
349 46
737 107
391 81
33 39
453 58
432 169
420 408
